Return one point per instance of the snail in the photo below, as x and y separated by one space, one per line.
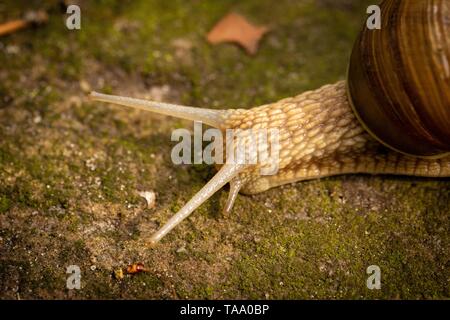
391 115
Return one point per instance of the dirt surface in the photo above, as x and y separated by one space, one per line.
71 170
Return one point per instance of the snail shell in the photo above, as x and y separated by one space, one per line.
399 77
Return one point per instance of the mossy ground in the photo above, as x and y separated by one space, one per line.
70 169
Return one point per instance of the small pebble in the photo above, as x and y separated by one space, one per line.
37 119
150 197
181 250
85 86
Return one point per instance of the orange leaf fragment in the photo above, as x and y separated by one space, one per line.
136 268
235 28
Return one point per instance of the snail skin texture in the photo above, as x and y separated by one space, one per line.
326 132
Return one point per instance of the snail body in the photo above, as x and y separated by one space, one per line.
321 136
372 123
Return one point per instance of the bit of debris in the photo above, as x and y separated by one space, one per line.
159 93
30 18
235 28
181 250
150 197
131 269
183 50
136 268
118 274
37 119
182 44
85 86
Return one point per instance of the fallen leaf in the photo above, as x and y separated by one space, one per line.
235 28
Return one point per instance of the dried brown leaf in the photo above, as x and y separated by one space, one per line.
235 28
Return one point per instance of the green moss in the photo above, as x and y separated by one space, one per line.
5 204
150 281
330 247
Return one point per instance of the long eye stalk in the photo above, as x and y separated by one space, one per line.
225 175
212 117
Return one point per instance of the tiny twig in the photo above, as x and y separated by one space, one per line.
30 18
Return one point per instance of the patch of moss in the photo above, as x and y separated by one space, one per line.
5 204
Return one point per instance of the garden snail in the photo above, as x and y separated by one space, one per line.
391 116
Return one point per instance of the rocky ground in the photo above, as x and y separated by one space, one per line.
71 170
